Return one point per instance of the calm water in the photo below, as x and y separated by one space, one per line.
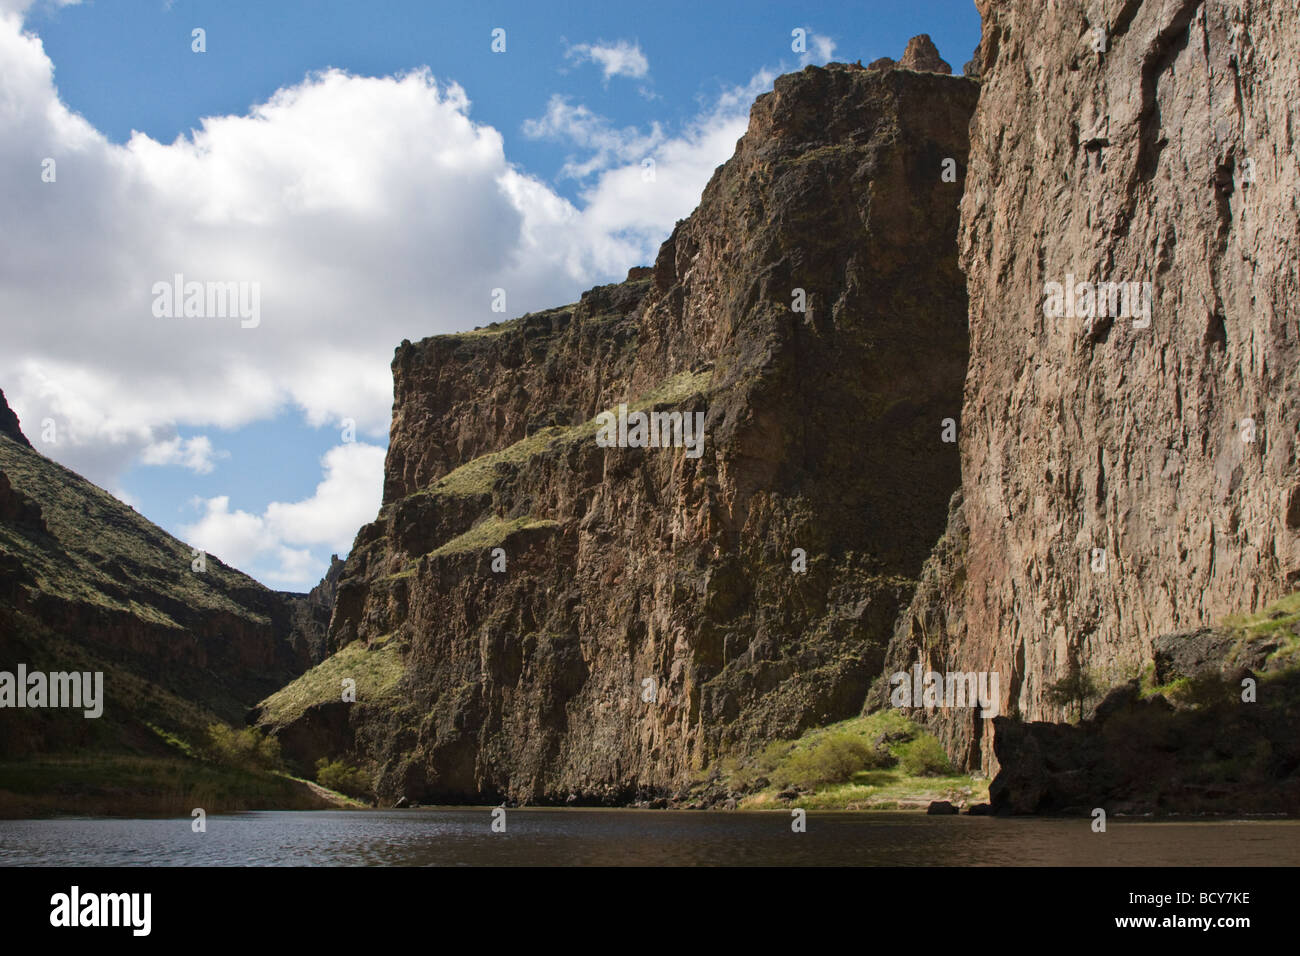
459 837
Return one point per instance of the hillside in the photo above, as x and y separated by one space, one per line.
87 584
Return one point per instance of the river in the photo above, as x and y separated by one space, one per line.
464 837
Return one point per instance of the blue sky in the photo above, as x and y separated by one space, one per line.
376 169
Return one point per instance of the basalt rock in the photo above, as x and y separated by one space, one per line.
539 618
1123 477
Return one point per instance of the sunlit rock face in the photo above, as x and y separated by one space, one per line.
1123 477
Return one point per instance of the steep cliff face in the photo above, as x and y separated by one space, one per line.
651 608
1121 478
87 583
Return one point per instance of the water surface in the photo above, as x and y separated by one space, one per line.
463 837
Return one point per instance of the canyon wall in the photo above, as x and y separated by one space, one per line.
649 611
1121 479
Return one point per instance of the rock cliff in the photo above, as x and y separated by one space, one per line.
1123 477
650 609
536 617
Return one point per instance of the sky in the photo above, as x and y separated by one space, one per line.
333 178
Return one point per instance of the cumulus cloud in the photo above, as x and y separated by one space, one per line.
620 58
348 496
196 454
365 210
263 544
819 49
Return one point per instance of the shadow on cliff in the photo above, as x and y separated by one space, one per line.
1207 753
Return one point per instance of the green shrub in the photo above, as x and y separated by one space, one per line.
246 749
339 776
924 757
832 759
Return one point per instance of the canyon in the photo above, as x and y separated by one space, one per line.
905 462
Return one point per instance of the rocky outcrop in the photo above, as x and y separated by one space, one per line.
1208 728
9 423
1123 477
1218 650
649 610
921 54
311 612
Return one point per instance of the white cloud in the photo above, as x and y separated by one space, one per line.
196 454
347 497
368 210
820 50
620 58
578 125
236 537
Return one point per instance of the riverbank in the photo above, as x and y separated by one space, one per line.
121 785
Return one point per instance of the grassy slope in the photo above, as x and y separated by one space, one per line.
143 756
102 548
476 477
1278 623
122 785
377 669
